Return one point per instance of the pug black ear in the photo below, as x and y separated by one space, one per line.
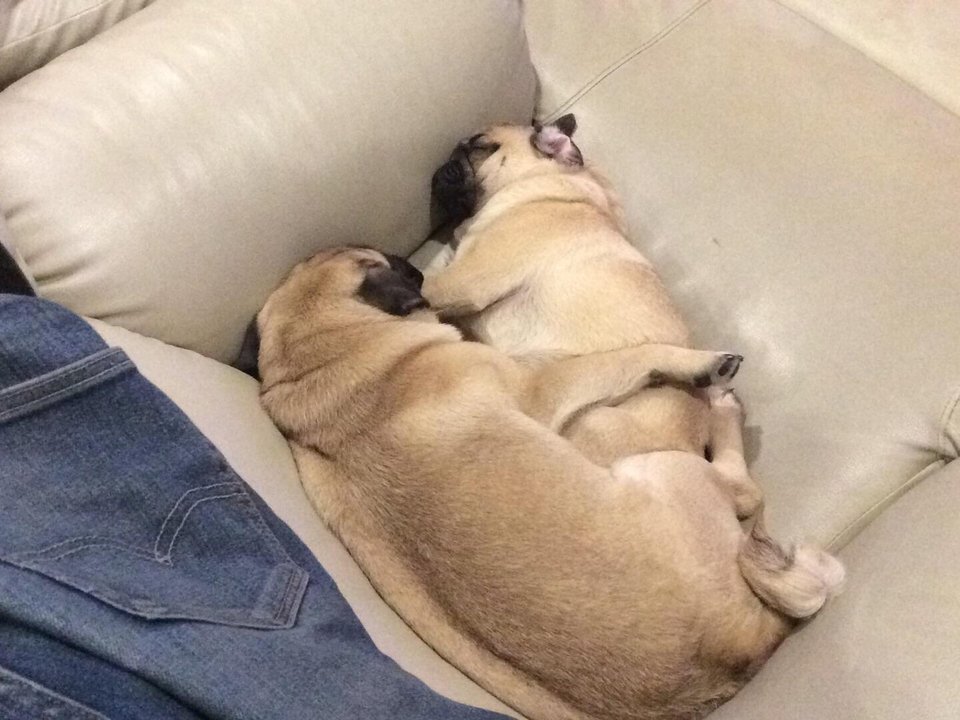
391 292
405 269
249 352
556 144
567 124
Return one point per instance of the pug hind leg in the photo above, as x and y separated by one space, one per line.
726 444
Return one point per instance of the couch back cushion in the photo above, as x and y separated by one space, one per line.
166 175
33 32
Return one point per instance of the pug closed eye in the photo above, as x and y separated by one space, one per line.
477 146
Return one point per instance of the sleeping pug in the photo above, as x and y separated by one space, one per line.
542 270
569 590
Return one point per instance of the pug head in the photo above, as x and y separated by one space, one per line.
343 286
489 161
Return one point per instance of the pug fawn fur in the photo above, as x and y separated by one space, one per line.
543 270
569 590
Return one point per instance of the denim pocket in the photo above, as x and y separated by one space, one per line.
107 487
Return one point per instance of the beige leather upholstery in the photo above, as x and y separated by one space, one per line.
33 32
578 42
889 647
918 41
802 204
790 166
224 404
167 174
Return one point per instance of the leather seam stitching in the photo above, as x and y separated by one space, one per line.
885 502
55 26
949 409
617 64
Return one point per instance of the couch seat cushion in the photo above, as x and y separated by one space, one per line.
887 648
801 202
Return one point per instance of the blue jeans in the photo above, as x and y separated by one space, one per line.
139 576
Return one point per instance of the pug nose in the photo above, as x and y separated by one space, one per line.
414 303
450 174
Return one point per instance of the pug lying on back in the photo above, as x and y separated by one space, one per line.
542 269
568 590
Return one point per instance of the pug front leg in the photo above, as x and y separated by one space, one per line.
463 289
564 389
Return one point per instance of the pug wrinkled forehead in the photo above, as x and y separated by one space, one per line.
488 161
386 282
345 279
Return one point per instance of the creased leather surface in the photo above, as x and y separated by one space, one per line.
918 41
167 174
887 648
802 205
33 32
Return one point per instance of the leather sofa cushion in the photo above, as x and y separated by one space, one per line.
33 32
575 44
886 649
167 174
917 41
801 202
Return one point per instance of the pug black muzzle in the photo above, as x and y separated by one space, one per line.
454 186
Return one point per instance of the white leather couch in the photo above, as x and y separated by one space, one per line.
791 166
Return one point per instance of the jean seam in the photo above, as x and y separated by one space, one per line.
47 692
54 396
13 411
285 597
267 533
62 372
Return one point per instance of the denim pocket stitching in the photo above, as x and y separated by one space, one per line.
86 541
116 360
165 556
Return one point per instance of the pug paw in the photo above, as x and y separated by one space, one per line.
722 371
724 400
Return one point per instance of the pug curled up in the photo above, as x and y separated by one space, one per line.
568 589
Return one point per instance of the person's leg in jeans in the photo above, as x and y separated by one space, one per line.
125 535
38 670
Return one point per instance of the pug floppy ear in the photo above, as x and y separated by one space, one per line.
556 140
395 291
